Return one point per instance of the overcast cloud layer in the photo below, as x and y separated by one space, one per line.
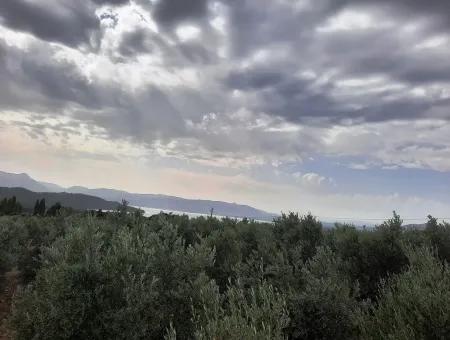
284 98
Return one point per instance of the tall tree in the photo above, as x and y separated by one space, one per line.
36 208
54 209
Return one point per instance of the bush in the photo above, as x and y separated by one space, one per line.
293 230
412 305
125 285
117 275
325 307
256 314
438 236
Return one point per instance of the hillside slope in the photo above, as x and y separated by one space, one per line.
174 203
76 201
155 201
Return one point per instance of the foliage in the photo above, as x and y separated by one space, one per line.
438 237
293 231
413 304
254 314
101 275
129 284
10 206
39 207
9 241
370 255
324 308
54 210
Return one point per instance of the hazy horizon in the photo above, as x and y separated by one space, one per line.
340 108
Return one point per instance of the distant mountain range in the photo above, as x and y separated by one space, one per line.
28 198
10 180
163 202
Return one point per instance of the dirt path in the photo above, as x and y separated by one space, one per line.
10 282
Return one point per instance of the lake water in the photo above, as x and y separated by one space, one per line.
152 211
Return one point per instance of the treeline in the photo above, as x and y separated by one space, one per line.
40 208
10 206
125 276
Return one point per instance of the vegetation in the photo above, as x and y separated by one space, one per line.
39 207
28 200
10 206
119 275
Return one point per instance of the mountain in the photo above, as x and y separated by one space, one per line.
20 180
10 180
173 203
76 201
53 187
163 202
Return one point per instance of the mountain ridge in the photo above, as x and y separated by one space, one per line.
175 203
154 201
27 199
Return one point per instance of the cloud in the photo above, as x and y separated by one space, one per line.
312 181
45 85
52 20
256 79
111 2
276 81
35 80
295 71
134 43
169 12
434 10
142 41
62 21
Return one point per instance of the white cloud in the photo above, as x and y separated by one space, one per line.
188 32
349 85
351 20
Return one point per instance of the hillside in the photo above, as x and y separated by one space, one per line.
9 180
164 202
155 201
76 201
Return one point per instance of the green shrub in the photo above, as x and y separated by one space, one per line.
126 285
115 275
256 314
438 236
324 308
293 230
412 305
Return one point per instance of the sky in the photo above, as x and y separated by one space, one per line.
336 107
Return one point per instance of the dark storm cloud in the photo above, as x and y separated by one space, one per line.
169 12
298 99
293 71
34 80
40 83
253 79
295 99
378 51
256 24
281 93
61 82
111 2
383 51
67 22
